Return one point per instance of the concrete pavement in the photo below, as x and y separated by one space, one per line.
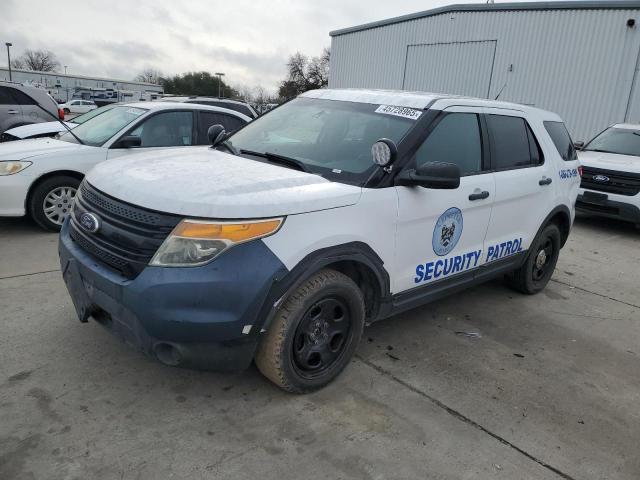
486 384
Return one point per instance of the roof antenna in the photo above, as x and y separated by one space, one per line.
500 92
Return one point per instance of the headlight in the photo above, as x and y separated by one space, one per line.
196 242
9 167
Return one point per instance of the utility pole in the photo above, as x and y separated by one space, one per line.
219 75
8 44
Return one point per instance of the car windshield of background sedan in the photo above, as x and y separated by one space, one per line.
99 129
330 138
90 114
622 141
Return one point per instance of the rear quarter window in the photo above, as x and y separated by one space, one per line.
561 139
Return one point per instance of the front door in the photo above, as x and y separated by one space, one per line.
440 233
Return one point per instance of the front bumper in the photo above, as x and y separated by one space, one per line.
206 317
608 205
13 194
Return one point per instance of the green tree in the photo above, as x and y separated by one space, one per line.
304 74
197 83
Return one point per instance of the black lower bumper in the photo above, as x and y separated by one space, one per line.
600 205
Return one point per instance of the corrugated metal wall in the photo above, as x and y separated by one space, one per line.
578 63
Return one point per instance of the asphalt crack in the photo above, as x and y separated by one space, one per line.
464 418
29 274
595 293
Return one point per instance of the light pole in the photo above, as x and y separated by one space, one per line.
220 75
8 44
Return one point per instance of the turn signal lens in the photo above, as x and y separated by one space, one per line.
234 232
196 242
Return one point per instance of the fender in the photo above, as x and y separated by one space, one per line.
564 210
352 251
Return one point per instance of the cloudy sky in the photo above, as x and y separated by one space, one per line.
249 40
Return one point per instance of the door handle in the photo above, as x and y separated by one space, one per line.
12 112
545 181
479 196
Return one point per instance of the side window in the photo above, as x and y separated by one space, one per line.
561 139
22 98
513 142
208 119
456 139
168 129
5 97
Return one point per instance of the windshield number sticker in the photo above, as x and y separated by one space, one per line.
403 112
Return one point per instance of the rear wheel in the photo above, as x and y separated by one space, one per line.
314 334
541 261
67 111
51 200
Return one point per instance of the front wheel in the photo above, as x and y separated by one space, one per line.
67 111
541 261
51 200
314 334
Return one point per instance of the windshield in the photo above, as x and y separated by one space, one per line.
90 114
622 141
331 138
97 130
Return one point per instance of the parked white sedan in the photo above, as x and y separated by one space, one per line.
40 176
78 106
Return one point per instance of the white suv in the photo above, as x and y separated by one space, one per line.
337 209
611 182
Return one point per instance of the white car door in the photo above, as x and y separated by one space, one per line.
441 233
523 180
164 129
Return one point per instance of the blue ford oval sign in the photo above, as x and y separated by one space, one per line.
601 178
90 222
447 231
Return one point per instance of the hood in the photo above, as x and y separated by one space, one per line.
201 182
23 149
41 128
610 161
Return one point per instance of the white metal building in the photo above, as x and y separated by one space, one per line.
579 59
63 86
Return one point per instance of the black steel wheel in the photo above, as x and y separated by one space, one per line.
314 334
540 263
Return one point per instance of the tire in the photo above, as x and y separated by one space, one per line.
533 276
46 190
308 344
66 111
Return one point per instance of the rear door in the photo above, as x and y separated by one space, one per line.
440 233
524 191
10 110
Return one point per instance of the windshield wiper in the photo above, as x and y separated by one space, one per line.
279 159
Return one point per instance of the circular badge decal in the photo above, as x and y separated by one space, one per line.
447 231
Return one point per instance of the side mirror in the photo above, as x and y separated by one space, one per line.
436 175
216 133
130 141
579 145
384 152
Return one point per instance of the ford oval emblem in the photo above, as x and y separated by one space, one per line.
601 178
90 222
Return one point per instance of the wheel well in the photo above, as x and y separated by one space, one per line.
562 220
367 281
46 176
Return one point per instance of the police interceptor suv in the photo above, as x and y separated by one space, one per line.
337 209
611 180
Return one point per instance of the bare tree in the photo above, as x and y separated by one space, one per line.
149 75
39 60
305 74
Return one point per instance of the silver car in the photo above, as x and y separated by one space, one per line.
23 104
